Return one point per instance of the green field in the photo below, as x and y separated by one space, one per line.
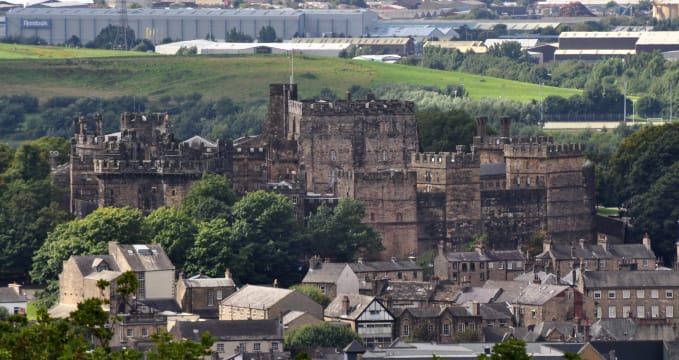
14 51
241 78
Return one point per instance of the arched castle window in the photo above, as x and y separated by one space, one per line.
333 155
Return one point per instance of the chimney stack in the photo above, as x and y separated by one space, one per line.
346 305
646 241
536 278
547 244
505 124
475 308
582 243
602 241
227 273
481 126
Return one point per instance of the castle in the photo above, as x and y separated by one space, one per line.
507 188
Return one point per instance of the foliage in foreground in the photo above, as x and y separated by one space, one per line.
322 335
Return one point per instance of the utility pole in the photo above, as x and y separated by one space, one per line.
624 104
120 42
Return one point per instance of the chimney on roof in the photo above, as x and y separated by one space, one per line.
646 241
346 305
348 95
480 249
582 243
481 126
16 287
475 308
442 247
227 273
602 240
505 125
314 262
536 278
611 355
547 244
393 259
359 260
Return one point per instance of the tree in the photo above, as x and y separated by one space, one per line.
92 319
267 34
510 349
85 237
28 164
213 250
340 233
174 230
443 131
237 36
266 233
127 285
312 292
106 39
324 335
209 198
167 349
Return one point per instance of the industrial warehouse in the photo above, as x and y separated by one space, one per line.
57 25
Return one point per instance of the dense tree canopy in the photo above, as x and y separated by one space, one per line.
323 335
338 233
442 131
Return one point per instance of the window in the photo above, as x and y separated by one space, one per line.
399 217
220 295
220 347
533 313
406 330
294 199
242 347
669 311
611 294
644 263
333 155
640 294
472 267
491 266
611 312
598 312
482 265
257 347
509 265
669 294
274 346
210 297
141 291
144 332
655 311
602 264
626 310
430 328
460 327
483 276
385 156
500 265
455 266
372 216
597 295
519 264
323 289
641 312
399 275
159 331
130 332
654 294
454 276
625 294
446 329
464 267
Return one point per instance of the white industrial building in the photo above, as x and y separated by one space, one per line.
56 25
214 47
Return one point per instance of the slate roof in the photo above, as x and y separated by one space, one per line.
357 304
478 294
160 305
496 334
199 281
146 257
254 296
510 289
9 295
630 279
409 290
546 328
446 293
495 311
231 330
535 294
324 273
488 255
384 266
595 252
631 350
87 263
354 347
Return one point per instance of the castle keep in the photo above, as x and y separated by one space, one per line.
505 187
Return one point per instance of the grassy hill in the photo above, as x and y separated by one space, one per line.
102 73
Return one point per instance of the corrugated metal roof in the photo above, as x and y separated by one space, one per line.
601 52
659 37
601 34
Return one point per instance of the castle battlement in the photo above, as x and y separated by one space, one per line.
381 176
499 141
544 150
354 107
444 160
175 166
